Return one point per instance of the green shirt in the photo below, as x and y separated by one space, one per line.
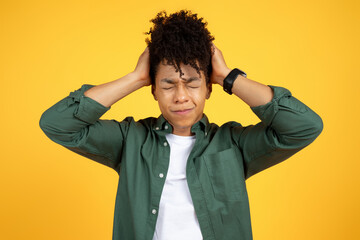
222 158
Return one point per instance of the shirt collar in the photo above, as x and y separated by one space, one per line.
162 125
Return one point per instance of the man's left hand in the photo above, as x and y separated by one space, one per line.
219 68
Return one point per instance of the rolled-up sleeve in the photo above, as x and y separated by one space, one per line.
74 123
287 126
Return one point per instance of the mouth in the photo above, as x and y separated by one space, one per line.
183 111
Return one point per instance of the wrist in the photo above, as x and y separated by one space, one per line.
138 80
222 76
229 80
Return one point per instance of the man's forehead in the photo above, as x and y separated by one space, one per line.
169 72
171 68
172 80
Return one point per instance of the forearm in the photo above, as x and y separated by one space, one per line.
67 121
251 92
287 126
109 93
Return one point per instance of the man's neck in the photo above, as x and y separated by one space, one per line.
183 132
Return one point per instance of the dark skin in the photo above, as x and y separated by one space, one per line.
181 101
218 63
178 94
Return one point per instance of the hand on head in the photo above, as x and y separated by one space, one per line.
219 68
142 68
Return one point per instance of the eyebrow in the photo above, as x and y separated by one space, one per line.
167 80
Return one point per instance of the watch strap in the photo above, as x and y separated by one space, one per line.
230 78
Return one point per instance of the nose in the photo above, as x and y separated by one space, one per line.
181 94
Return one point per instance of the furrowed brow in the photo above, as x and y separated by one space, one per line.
191 79
170 81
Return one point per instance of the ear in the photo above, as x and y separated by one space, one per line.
153 92
209 90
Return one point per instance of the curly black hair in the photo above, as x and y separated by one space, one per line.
181 37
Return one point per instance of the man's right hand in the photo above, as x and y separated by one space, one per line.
109 93
142 68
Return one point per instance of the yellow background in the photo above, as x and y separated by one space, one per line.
50 48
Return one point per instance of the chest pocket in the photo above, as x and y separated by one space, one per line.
226 175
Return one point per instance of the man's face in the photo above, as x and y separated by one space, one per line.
181 100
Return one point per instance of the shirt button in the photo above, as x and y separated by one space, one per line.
153 211
157 128
165 144
161 175
166 126
205 134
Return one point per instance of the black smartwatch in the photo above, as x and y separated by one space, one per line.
230 78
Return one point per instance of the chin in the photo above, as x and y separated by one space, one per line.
183 126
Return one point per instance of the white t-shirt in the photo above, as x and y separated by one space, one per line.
176 216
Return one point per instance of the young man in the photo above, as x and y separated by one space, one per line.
181 177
